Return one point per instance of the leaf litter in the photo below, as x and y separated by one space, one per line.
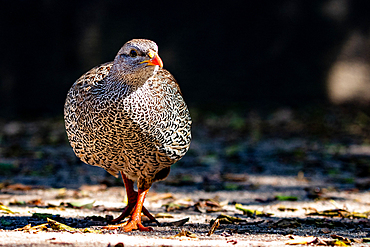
312 157
56 226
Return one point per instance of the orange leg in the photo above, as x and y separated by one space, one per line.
135 220
131 198
135 204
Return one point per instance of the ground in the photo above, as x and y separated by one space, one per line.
287 167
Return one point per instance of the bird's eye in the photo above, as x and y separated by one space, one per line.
133 53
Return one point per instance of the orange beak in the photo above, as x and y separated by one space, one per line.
154 59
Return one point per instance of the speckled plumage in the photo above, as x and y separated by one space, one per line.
125 116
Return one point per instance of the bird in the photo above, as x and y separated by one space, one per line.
129 117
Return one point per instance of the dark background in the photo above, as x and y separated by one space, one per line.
256 53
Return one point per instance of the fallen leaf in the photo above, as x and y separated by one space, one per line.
185 235
17 203
227 219
295 240
286 198
6 210
42 216
55 225
339 213
341 238
81 205
215 225
163 215
89 230
251 212
26 227
175 206
176 223
284 208
337 241
208 206
33 229
334 242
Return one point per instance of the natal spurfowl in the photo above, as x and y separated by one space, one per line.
129 116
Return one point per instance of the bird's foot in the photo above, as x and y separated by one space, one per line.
136 225
114 227
127 210
128 226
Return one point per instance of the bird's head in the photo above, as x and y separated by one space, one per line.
136 62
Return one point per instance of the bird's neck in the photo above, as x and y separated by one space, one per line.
129 80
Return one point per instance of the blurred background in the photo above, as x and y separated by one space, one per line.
287 81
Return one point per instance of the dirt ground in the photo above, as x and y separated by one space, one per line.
269 180
255 230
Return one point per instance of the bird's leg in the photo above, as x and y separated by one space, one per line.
132 198
135 220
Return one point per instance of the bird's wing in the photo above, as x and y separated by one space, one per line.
95 75
166 74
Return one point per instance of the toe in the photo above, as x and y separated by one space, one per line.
114 227
134 225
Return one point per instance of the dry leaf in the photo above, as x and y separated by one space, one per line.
295 240
341 238
6 210
33 229
42 216
163 215
286 198
81 205
284 208
176 223
215 225
208 206
55 225
251 212
339 213
185 235
174 206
